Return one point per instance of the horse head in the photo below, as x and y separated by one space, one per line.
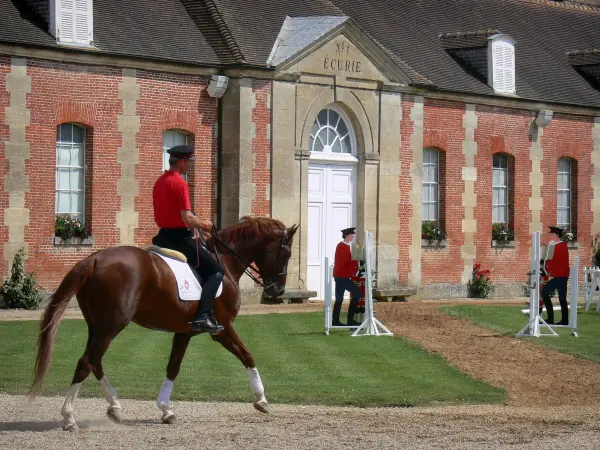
265 242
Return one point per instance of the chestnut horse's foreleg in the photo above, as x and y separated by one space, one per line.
178 348
231 341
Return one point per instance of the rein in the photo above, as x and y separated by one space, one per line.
247 266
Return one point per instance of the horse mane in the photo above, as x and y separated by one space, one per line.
250 228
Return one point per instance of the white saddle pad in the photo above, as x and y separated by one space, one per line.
187 284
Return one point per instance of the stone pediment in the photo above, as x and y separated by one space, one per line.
333 50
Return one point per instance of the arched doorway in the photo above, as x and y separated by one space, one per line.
332 176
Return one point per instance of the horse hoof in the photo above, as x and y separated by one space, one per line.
114 414
262 406
169 418
71 427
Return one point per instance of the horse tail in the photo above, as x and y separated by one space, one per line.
52 316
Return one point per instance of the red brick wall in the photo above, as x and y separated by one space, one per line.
175 102
444 131
4 136
498 130
88 95
406 185
261 149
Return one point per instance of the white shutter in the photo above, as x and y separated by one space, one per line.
503 61
75 21
67 21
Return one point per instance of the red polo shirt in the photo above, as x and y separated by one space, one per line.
170 196
343 266
558 266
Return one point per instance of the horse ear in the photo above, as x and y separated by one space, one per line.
292 230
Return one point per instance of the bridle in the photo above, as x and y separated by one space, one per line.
249 266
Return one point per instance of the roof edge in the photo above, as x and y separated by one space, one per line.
224 31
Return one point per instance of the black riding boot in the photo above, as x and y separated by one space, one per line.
205 320
337 309
564 312
352 311
549 309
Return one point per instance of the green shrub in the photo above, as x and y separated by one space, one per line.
20 289
502 234
432 231
67 227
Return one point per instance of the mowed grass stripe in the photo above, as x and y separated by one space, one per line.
297 362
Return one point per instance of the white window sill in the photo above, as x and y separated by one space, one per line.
335 157
88 242
509 244
426 243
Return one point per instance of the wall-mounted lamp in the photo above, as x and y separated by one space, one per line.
543 118
217 86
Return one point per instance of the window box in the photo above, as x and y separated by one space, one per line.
88 241
573 245
507 244
426 243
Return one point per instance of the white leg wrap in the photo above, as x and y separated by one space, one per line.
256 383
109 393
165 393
68 407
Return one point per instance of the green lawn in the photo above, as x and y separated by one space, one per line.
297 362
508 320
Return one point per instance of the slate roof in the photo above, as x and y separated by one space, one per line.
427 38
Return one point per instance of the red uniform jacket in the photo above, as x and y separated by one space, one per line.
344 267
558 266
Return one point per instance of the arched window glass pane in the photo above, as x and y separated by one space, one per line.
430 184
500 189
330 133
563 199
70 170
171 138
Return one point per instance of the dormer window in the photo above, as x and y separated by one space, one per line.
501 64
71 21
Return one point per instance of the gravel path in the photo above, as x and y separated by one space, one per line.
533 377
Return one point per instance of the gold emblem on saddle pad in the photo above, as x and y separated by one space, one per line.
167 252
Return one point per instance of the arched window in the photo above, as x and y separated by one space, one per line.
171 138
564 193
431 184
70 171
500 187
330 134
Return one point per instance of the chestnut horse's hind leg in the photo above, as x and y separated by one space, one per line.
178 348
230 340
91 360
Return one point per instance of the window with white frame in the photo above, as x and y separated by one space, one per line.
501 64
431 184
563 196
500 189
171 138
330 134
70 170
71 21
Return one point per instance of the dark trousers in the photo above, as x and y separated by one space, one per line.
209 270
341 286
560 285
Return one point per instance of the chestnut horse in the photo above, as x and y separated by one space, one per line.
126 284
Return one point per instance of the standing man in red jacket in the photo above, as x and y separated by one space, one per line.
344 268
558 268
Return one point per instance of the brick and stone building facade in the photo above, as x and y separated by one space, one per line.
392 95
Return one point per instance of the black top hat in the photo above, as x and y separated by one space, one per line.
182 152
348 231
557 231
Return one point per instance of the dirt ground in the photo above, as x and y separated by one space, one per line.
553 402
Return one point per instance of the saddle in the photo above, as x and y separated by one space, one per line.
189 283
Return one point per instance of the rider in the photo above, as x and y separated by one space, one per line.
172 213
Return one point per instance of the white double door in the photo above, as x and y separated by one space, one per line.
331 208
